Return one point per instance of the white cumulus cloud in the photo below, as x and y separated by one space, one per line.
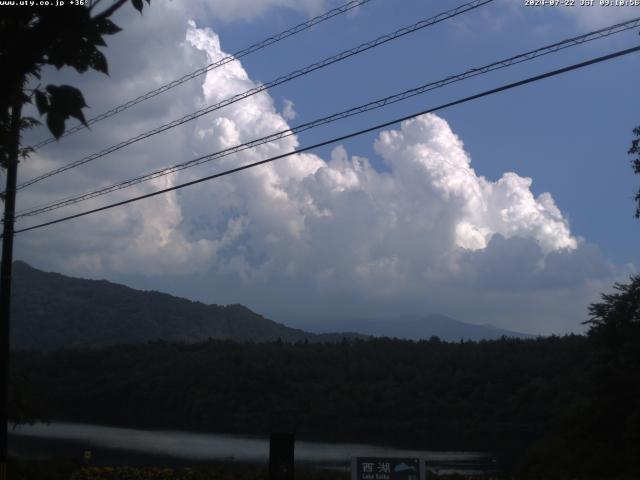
288 111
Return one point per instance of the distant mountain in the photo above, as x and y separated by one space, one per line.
50 311
416 328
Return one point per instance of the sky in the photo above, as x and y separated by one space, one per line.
514 210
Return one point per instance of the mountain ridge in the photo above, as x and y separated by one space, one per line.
423 327
51 310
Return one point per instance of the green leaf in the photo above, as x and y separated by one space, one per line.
98 62
65 102
82 56
42 102
137 4
107 27
55 122
66 97
80 116
97 39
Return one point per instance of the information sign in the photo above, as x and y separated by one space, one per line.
382 468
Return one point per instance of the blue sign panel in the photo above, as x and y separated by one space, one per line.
382 468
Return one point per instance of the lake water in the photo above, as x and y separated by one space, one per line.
203 447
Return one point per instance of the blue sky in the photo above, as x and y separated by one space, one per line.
331 235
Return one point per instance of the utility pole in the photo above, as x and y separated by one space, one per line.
5 278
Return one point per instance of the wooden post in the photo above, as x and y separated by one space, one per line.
281 456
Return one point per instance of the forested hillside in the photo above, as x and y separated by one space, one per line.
51 310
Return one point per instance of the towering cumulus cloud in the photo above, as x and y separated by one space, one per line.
297 214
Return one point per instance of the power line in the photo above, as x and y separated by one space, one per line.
223 61
343 137
520 58
278 81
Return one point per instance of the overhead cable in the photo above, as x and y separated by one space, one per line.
260 88
223 61
486 93
520 58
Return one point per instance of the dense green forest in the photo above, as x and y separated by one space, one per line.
432 394
525 400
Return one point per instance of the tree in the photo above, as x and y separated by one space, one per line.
614 412
635 150
618 315
32 37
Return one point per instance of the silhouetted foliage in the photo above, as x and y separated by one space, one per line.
599 437
635 163
27 401
615 408
32 37
617 317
